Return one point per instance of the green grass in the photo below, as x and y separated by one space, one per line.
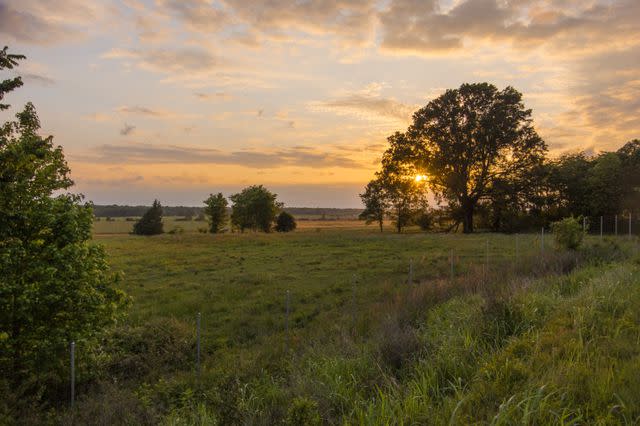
532 339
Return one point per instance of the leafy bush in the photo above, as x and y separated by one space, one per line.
285 222
567 233
424 220
151 222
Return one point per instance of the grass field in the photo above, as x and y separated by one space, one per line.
511 335
305 223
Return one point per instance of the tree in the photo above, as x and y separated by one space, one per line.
630 156
405 195
55 285
216 211
8 61
467 139
254 208
151 221
375 203
285 222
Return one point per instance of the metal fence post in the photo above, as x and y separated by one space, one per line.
451 259
72 350
198 344
601 223
629 225
486 260
584 224
286 320
542 242
616 226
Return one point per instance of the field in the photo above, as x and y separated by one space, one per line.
492 329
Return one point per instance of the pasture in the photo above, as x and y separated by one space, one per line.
363 344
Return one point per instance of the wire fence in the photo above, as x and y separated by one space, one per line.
520 253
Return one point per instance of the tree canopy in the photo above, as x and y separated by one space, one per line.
254 208
151 221
471 143
55 286
216 211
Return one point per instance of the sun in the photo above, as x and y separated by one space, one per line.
421 178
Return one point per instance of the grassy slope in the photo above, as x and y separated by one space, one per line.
501 348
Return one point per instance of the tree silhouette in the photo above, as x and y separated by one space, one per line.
151 222
216 211
466 140
285 222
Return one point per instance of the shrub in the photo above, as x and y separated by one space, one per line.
567 233
151 222
424 220
285 222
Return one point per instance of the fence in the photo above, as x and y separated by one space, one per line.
483 256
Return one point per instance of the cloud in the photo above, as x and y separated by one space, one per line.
127 129
422 27
218 96
197 15
169 61
151 112
42 80
26 27
141 153
368 104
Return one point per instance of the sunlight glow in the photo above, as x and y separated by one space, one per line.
421 178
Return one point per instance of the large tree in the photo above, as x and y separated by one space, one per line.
467 140
255 208
55 285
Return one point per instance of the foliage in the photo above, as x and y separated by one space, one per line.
467 140
55 286
404 194
285 222
375 203
254 208
568 233
216 210
151 221
8 61
424 219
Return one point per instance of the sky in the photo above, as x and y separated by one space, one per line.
176 99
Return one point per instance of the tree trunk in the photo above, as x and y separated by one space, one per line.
467 225
381 223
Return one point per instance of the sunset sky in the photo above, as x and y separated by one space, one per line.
175 99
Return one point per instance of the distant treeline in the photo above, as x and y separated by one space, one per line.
115 210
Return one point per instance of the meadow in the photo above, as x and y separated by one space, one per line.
516 331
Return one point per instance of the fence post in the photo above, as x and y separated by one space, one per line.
601 220
353 300
410 271
542 242
616 226
584 224
629 224
486 260
72 350
517 249
451 259
286 319
198 344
